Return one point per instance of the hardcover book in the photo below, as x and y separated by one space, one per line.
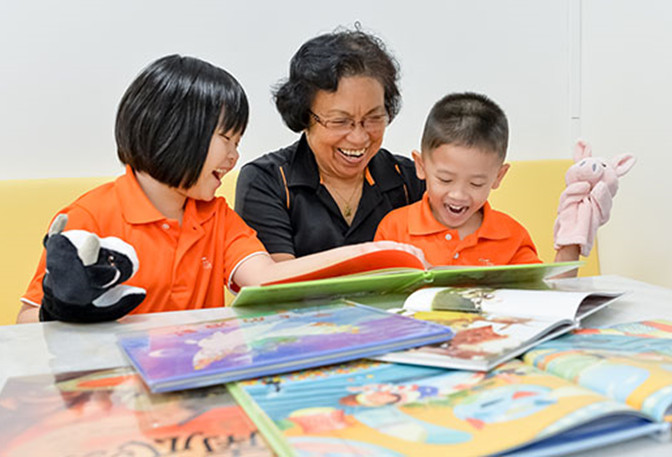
494 325
108 413
369 408
390 272
263 341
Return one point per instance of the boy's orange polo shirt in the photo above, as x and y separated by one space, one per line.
181 267
500 240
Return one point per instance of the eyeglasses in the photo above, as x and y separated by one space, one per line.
343 125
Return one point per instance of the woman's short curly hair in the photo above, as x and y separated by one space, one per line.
321 62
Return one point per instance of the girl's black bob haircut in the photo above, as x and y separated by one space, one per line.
169 113
321 62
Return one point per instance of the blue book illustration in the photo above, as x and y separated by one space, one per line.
367 408
266 341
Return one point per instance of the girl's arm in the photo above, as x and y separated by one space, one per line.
28 314
263 269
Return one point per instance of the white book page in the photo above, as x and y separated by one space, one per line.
511 302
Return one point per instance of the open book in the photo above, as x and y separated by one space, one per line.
392 272
260 341
381 409
494 325
109 413
630 363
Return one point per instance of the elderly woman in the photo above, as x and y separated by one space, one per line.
334 185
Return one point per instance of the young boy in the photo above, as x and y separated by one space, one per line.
463 151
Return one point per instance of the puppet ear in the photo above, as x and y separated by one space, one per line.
582 150
58 225
623 163
88 250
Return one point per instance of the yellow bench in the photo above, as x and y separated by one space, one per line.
530 193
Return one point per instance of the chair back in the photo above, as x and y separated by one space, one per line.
530 193
27 207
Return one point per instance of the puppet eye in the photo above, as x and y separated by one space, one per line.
110 259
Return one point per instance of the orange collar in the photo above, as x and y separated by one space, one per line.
421 222
137 209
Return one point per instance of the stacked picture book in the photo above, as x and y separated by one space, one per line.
386 362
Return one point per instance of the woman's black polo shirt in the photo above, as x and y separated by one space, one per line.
280 196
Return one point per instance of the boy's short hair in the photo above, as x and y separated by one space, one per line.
466 119
169 113
321 63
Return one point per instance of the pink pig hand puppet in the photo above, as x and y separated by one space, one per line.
586 203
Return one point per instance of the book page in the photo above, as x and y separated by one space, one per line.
379 409
376 262
481 340
629 369
548 304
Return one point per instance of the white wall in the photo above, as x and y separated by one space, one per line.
627 107
65 65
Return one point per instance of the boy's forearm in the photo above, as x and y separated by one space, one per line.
568 253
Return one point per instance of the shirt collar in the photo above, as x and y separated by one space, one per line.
421 221
137 209
304 171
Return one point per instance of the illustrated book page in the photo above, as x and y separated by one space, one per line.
265 341
636 370
379 409
501 323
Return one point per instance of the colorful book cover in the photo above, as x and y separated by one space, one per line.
400 280
269 342
630 369
109 413
502 323
368 408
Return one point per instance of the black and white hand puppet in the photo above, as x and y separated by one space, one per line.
84 276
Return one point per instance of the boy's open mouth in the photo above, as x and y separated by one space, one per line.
457 210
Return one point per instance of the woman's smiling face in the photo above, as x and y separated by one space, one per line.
345 152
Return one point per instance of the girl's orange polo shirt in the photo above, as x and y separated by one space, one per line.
500 240
181 267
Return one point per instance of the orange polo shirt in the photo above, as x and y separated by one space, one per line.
500 240
181 267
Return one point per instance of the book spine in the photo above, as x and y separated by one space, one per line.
274 437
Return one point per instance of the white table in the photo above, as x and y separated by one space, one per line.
30 349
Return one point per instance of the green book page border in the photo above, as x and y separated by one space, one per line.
502 275
400 282
272 434
341 286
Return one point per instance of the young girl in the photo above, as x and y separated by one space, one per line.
177 131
